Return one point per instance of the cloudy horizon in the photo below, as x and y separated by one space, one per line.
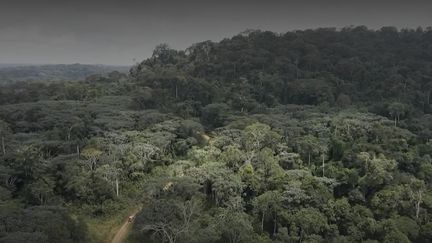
113 32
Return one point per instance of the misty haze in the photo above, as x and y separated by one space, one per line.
215 121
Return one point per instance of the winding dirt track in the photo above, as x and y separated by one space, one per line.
122 233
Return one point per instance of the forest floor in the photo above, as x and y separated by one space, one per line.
123 232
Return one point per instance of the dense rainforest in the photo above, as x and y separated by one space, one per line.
318 135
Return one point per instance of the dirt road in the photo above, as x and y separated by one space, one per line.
122 233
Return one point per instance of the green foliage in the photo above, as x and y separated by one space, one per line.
39 224
309 136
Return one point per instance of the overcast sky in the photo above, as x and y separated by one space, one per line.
119 31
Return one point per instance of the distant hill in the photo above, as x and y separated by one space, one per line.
337 67
15 72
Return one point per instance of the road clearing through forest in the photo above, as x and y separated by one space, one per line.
123 232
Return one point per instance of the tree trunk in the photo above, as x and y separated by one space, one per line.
262 222
309 159
117 187
69 134
41 199
78 151
348 129
418 204
417 209
3 146
323 164
428 97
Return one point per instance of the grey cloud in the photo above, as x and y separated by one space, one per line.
117 31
